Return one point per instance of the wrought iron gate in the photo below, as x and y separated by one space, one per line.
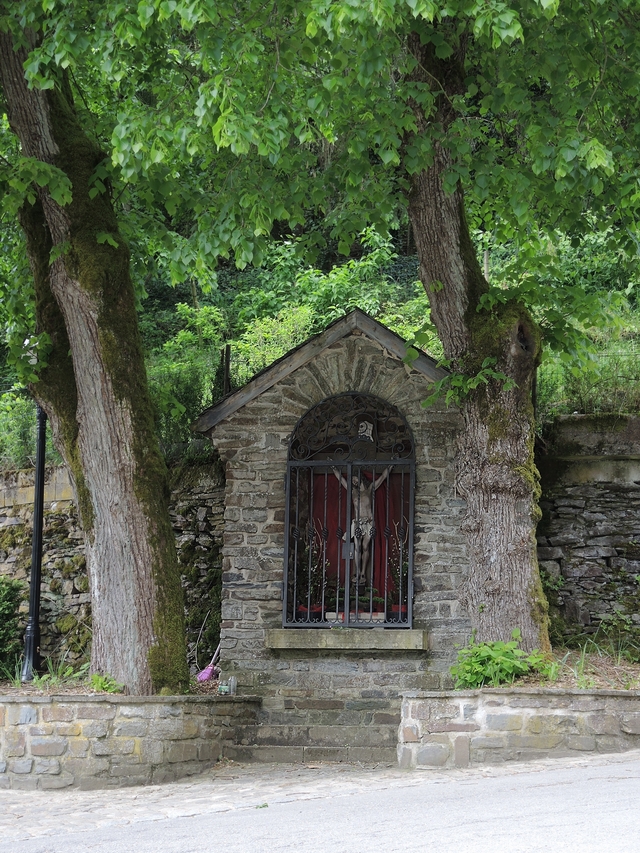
349 516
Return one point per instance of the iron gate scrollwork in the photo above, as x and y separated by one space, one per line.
349 516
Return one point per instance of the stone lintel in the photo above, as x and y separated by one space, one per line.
356 639
584 470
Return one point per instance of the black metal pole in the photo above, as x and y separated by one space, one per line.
32 634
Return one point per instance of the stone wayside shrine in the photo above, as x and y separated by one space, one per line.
342 550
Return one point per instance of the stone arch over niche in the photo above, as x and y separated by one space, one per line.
349 516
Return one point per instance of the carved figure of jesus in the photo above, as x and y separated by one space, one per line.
362 518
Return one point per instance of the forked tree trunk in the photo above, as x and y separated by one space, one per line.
496 473
97 397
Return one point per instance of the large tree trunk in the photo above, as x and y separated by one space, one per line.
97 397
496 473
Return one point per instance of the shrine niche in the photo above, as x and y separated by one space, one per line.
349 516
343 551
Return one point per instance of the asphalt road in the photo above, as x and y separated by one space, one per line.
585 805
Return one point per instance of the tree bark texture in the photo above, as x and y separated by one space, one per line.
95 393
496 473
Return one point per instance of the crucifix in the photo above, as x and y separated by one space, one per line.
362 492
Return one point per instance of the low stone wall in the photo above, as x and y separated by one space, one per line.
110 741
490 726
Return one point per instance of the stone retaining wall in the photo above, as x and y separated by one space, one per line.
197 509
490 726
589 534
113 741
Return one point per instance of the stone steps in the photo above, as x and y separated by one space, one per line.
310 754
301 743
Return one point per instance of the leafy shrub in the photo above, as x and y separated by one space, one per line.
267 339
608 383
182 373
411 321
105 683
56 671
496 663
361 283
10 631
285 282
619 636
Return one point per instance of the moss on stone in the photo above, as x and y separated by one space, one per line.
540 610
607 422
8 539
82 583
189 470
66 623
69 569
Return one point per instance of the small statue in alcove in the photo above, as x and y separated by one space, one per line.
362 491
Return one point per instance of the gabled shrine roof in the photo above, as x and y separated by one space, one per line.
356 320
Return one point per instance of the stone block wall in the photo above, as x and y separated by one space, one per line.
490 726
197 511
253 444
17 487
89 742
197 516
589 535
65 602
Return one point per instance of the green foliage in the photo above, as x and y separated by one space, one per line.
291 301
619 636
456 386
568 291
551 584
105 683
287 280
609 382
11 593
410 320
212 145
13 674
267 339
359 283
59 672
212 142
182 372
18 432
492 664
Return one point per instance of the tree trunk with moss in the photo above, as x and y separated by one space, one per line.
496 473
95 393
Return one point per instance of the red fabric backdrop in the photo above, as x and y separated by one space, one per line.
331 514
